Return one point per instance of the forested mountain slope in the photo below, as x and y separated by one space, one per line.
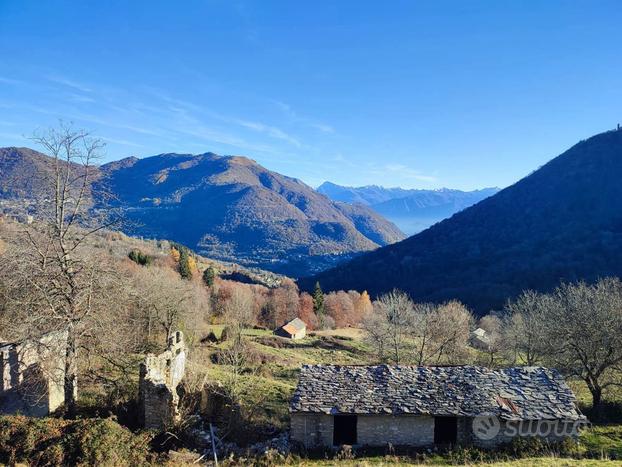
561 223
225 207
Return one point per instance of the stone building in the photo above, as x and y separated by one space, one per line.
159 377
294 329
425 406
480 339
33 375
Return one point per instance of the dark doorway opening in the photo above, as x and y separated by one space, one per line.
344 430
445 430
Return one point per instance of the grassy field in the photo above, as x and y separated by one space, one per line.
529 462
276 380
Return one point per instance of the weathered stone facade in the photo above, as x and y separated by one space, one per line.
316 430
159 377
422 406
32 375
313 430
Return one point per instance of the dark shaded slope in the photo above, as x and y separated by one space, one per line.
562 222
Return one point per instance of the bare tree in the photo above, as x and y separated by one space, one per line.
377 334
167 301
583 333
493 325
389 325
523 327
441 332
239 310
51 264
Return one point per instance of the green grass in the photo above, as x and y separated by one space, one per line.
277 378
250 332
603 441
395 461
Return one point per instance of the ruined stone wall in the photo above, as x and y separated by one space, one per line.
159 377
32 375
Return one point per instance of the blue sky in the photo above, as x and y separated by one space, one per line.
462 94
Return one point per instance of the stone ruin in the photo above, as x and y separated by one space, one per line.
32 378
159 377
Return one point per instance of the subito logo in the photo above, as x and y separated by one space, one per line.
486 427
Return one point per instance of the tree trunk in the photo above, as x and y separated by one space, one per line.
71 372
597 396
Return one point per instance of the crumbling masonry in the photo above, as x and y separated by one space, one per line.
159 377
32 374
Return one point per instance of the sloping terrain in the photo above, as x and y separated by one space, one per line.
561 223
228 208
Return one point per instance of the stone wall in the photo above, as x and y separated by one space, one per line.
316 430
159 377
32 375
400 430
510 430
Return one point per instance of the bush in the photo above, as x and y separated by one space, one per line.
51 441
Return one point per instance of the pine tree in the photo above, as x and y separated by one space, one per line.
208 276
318 303
185 270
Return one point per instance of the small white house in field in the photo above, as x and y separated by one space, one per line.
295 329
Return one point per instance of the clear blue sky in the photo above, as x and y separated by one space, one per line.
461 94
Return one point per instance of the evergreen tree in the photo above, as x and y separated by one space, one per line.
318 303
185 270
140 258
208 276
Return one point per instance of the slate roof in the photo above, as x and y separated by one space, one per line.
523 393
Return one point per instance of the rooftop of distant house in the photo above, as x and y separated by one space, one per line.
294 326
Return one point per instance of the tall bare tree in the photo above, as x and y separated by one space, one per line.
390 324
440 332
524 326
167 302
59 278
583 332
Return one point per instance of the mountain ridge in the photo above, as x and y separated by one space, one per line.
226 207
412 210
560 223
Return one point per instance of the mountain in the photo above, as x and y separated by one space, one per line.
411 210
367 195
561 223
226 207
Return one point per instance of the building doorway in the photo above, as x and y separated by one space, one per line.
344 429
445 430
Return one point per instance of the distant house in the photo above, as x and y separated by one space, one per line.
480 339
295 329
425 406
